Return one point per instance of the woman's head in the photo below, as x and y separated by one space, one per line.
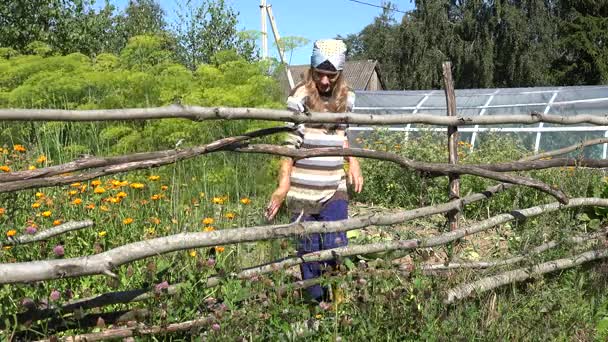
325 77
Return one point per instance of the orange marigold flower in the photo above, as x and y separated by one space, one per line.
128 220
209 229
219 249
72 192
99 190
137 185
31 167
36 205
5 168
96 182
11 233
41 159
230 216
143 202
2 211
19 148
114 200
90 206
115 182
154 178
124 183
245 200
46 213
75 185
155 197
154 220
39 194
208 220
164 188
77 201
121 194
57 222
217 200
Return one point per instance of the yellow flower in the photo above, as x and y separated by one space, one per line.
230 216
83 188
208 229
217 200
90 206
245 200
318 316
19 148
46 213
99 190
121 194
219 249
31 167
7 248
208 220
77 201
164 188
192 253
137 185
154 178
104 208
128 220
75 185
36 205
115 183
150 231
41 159
102 233
39 194
155 197
5 168
96 182
114 200
72 192
11 233
56 222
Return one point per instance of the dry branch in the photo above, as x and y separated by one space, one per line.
513 260
453 179
220 113
56 175
432 168
104 262
489 283
566 149
47 233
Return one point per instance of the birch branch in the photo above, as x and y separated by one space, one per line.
225 113
513 260
490 283
434 168
104 262
567 149
47 233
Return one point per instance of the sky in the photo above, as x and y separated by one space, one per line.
311 19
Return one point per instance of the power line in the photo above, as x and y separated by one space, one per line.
378 6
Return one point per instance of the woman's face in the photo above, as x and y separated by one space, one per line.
325 80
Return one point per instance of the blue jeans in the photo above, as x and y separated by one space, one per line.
334 210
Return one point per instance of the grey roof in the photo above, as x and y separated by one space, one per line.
357 73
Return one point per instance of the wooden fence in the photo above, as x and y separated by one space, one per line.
105 263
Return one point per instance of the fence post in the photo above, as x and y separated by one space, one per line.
454 180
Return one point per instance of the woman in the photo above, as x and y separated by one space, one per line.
316 186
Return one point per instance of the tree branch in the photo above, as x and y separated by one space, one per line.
47 233
566 149
220 113
489 283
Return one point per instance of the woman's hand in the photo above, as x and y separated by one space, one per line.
355 177
276 200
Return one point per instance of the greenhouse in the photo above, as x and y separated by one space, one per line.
471 102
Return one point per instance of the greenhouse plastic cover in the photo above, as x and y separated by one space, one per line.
471 102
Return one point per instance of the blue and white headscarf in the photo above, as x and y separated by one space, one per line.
328 54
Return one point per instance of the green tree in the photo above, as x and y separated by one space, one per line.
205 29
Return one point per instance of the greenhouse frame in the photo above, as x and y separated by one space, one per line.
565 101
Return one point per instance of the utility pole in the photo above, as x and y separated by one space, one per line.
263 11
266 10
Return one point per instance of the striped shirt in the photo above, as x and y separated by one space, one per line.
316 180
